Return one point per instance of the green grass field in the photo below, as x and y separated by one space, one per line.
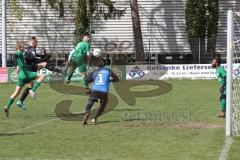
123 134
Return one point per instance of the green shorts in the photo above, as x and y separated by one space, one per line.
79 60
26 77
82 69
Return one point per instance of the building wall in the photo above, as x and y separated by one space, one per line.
224 6
163 27
54 34
162 21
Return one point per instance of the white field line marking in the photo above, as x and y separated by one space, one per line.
226 148
32 126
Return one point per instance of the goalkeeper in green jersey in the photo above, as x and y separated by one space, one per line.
24 77
79 58
221 76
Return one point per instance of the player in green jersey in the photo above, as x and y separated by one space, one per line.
221 77
24 77
79 57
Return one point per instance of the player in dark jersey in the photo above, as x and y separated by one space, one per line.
101 79
33 61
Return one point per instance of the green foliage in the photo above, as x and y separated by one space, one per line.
87 10
91 4
195 18
81 20
196 26
212 26
200 25
52 3
212 18
13 5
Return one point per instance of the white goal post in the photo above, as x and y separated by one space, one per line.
233 74
230 30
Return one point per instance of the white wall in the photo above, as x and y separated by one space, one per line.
162 21
54 34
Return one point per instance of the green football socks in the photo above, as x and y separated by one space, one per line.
223 104
9 103
36 85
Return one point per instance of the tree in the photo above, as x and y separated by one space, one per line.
212 26
86 10
201 25
137 32
102 8
196 25
14 8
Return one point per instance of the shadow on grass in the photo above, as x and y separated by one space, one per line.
15 134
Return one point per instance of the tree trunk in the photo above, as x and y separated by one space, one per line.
195 12
212 26
139 49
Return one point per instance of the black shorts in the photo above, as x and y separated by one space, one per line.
97 95
223 96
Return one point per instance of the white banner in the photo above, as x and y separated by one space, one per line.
163 72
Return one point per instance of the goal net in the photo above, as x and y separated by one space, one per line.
233 80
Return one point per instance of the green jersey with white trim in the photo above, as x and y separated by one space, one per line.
221 77
82 48
20 61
